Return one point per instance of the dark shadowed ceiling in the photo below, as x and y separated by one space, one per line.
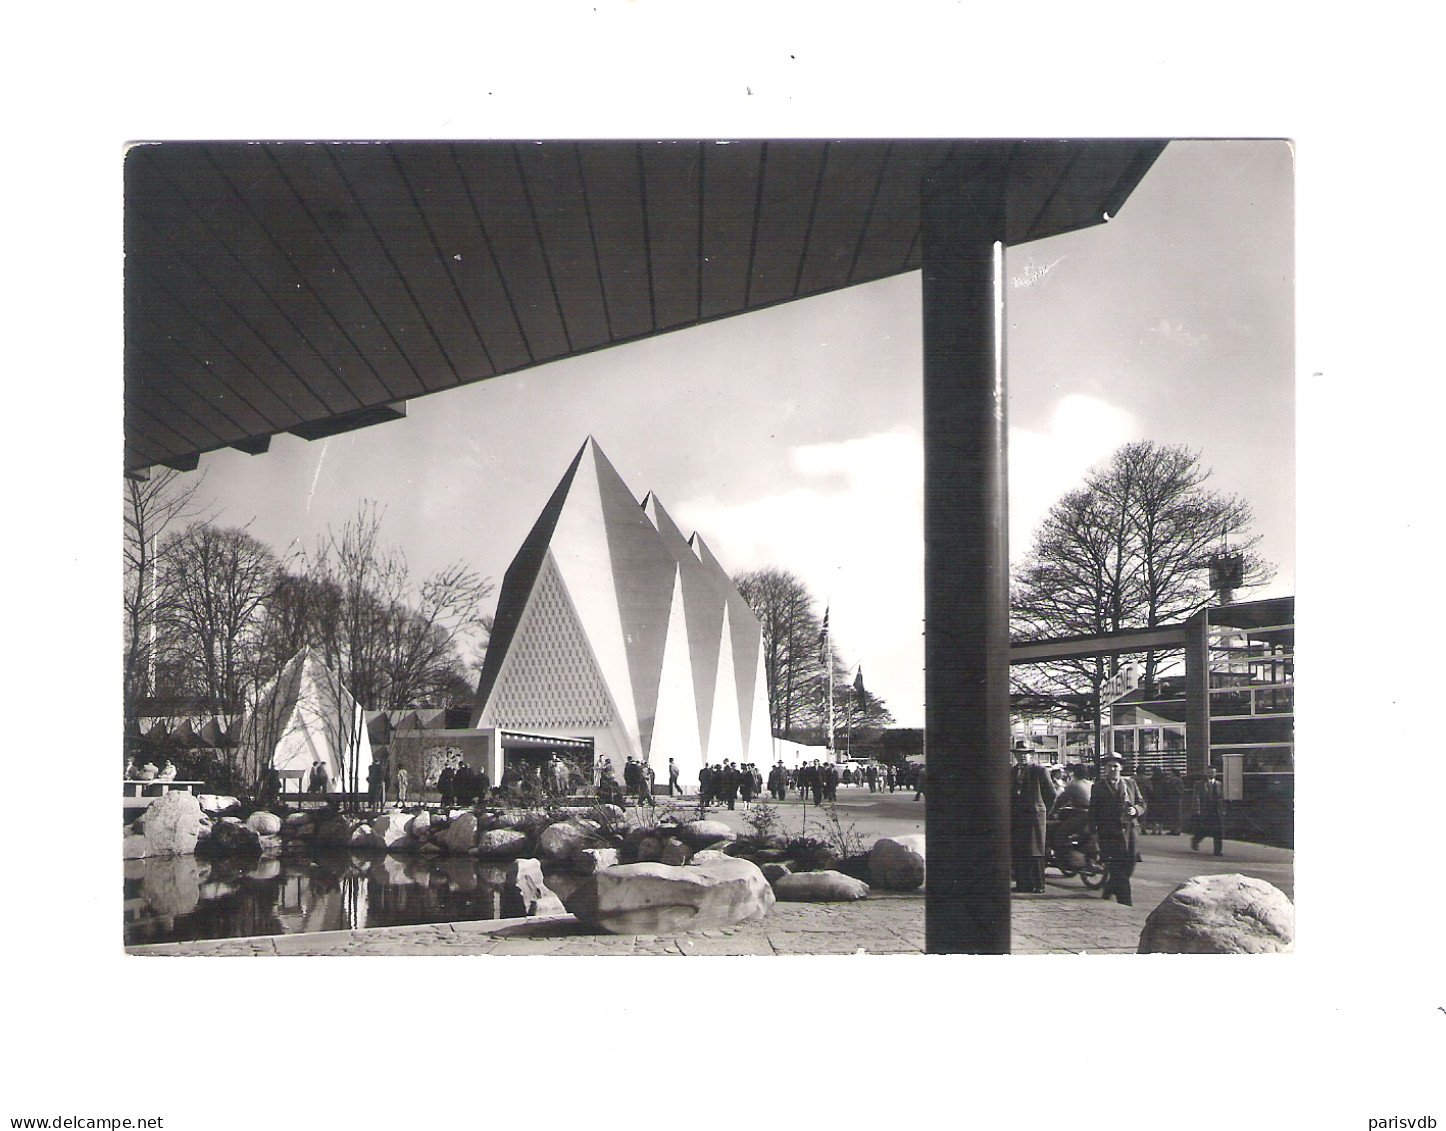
312 288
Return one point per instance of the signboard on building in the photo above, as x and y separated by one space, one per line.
1121 683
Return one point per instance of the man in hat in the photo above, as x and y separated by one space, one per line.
1031 793
1115 806
1206 814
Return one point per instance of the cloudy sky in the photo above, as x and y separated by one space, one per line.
792 437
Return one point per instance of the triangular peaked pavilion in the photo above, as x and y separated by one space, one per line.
612 625
303 716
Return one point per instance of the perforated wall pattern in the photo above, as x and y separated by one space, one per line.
550 678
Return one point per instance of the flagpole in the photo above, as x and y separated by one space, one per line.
828 675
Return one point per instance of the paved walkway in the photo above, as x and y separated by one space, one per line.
1063 921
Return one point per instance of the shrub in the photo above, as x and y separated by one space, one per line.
762 818
843 839
809 853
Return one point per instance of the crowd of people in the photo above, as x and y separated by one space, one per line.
724 783
460 785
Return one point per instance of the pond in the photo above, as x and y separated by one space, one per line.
182 898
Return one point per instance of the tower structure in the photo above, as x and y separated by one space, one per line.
613 625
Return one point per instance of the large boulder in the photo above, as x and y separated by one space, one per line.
218 803
390 829
526 889
1226 914
659 898
774 872
590 860
363 839
334 830
502 844
419 825
704 834
896 863
674 852
460 835
819 887
531 820
263 823
229 837
563 884
563 840
171 824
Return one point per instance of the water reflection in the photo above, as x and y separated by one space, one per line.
181 898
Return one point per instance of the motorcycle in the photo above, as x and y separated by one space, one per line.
1071 850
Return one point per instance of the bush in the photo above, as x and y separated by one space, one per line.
809 854
843 839
762 818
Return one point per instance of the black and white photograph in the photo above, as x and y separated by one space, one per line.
405 647
826 497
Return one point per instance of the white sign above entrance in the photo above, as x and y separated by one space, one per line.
1121 684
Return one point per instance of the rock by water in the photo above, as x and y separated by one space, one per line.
660 898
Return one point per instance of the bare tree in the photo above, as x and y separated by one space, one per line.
797 668
784 608
214 581
1129 549
151 507
389 644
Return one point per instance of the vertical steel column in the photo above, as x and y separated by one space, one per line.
966 555
1197 692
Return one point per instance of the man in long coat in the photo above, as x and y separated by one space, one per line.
1207 816
1115 806
730 783
1031 793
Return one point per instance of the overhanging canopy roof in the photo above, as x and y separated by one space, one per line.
315 287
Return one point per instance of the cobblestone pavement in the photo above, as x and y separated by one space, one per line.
1060 922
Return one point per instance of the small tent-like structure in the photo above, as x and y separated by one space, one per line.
303 716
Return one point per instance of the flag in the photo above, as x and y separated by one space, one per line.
823 638
859 685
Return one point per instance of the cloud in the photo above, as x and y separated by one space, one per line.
850 524
1175 332
1044 465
